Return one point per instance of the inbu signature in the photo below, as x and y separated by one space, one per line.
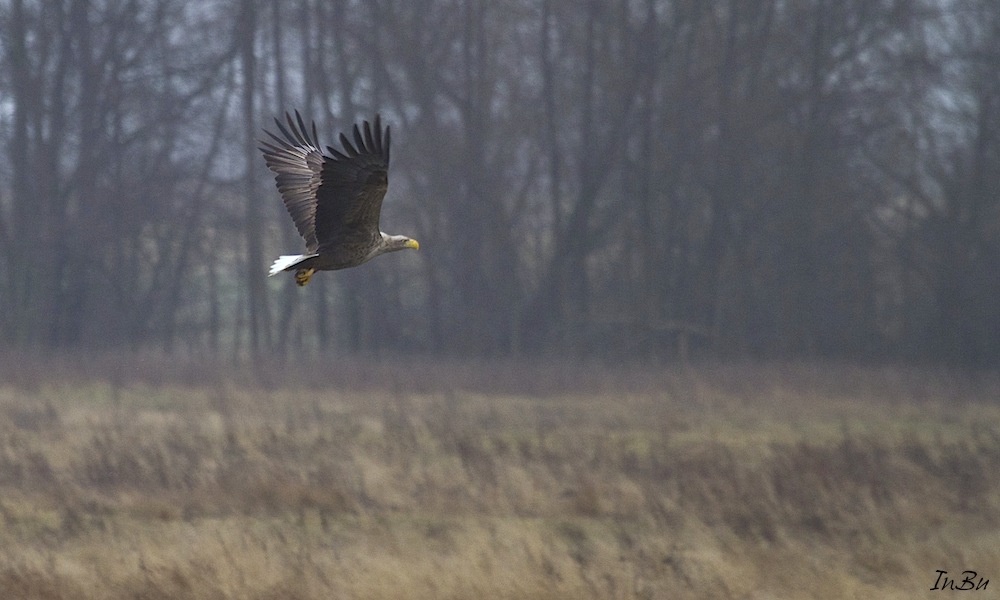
968 582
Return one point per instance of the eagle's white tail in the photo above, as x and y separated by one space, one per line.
286 262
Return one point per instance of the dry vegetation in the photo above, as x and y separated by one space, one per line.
507 482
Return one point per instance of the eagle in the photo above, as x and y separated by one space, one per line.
334 198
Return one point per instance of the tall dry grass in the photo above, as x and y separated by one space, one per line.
422 480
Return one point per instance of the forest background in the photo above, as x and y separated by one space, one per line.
622 179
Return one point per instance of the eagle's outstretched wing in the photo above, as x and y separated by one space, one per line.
336 197
298 164
354 182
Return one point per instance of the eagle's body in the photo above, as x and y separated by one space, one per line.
335 200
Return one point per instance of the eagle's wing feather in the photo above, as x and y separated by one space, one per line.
354 183
298 164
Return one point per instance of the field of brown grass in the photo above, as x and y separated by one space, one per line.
425 481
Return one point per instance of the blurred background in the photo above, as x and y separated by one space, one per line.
612 179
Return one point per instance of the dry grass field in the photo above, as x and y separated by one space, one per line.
425 481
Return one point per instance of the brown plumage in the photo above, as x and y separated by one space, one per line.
334 199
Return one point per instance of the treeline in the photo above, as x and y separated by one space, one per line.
602 178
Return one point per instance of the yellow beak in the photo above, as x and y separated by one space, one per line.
412 244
